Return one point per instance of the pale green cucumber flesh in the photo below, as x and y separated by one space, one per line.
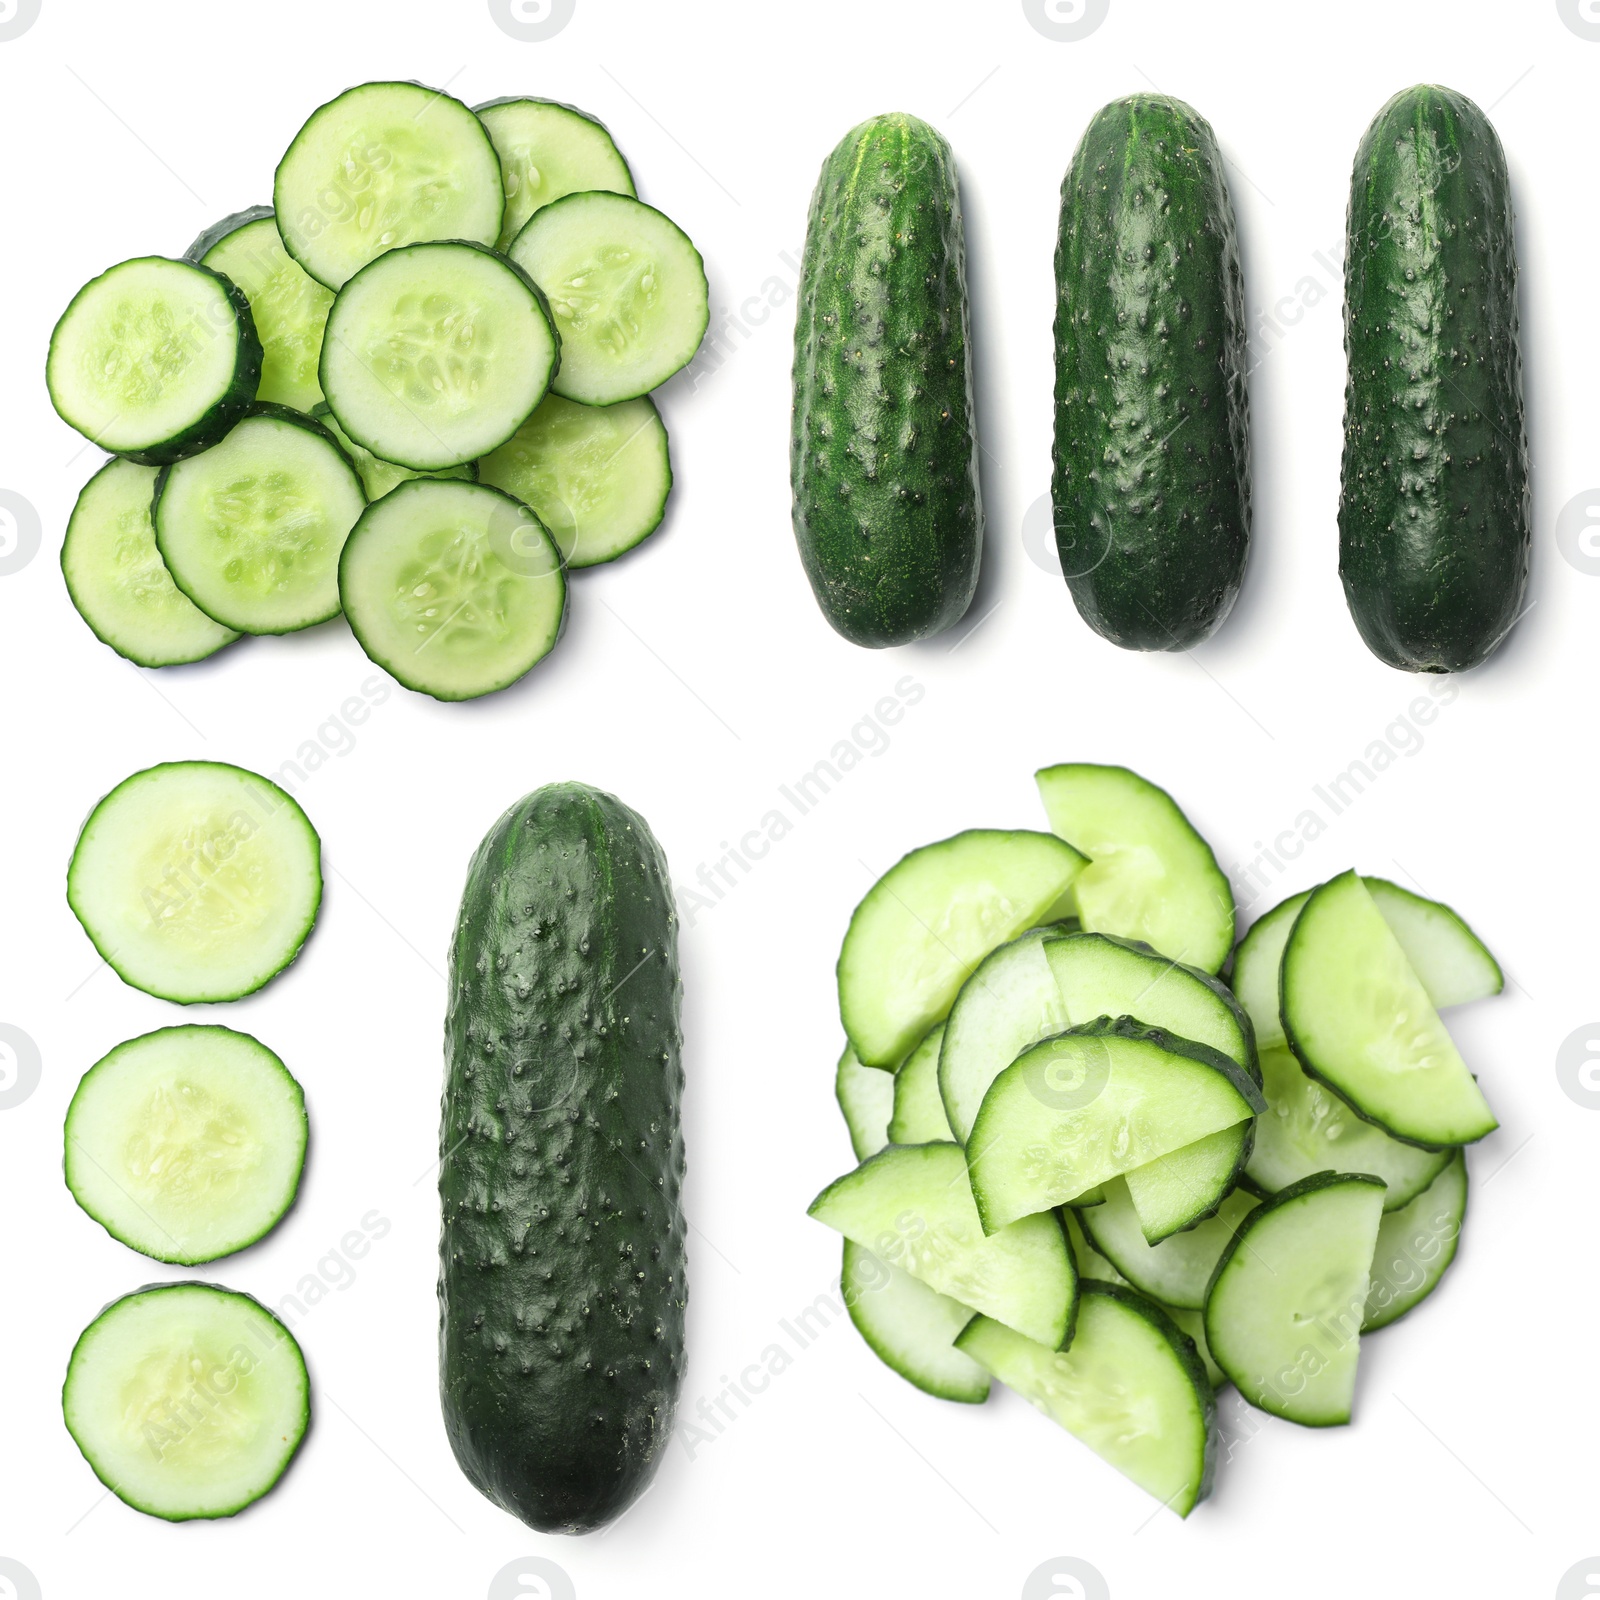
866 1099
379 477
1179 1190
918 1116
1451 962
1177 1272
1416 1246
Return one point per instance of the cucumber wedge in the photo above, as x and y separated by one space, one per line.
928 922
912 1207
627 289
1088 1105
436 354
1182 1189
1359 1020
1131 1386
1177 1272
1288 1297
187 1144
597 476
381 166
1451 962
911 1328
1151 876
918 1116
1416 1246
154 359
1257 964
866 1097
289 307
118 581
251 529
548 150
453 588
379 477
188 1401
196 881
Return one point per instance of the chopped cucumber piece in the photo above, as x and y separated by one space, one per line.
1193 1323
1179 1190
597 476
548 150
1256 966
1130 1386
1358 1019
911 1328
1451 962
1151 876
1089 1262
866 1097
381 166
454 588
187 1144
912 1207
918 1111
1177 1271
436 354
1308 1129
288 305
186 1400
1088 1105
1285 1308
627 289
118 581
154 359
1416 1246
251 529
196 881
928 922
379 477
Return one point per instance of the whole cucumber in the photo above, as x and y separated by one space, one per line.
1434 513
884 453
562 1274
1151 488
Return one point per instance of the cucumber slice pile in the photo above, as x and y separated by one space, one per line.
434 292
1138 1180
187 1144
187 1401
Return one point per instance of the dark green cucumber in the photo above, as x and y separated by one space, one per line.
1151 488
1434 513
562 1280
884 453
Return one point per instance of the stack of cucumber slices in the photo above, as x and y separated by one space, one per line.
415 390
196 881
1097 1171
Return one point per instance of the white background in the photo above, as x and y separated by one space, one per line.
696 677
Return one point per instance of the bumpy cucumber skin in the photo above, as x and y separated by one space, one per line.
1435 507
1151 483
884 452
562 1281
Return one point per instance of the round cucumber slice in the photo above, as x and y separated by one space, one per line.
187 1144
154 359
251 529
118 581
379 477
196 881
548 150
188 1401
289 306
454 588
436 354
380 166
627 289
597 476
